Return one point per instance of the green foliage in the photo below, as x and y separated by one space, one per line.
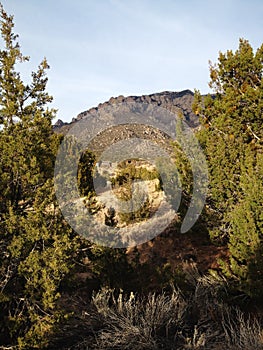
232 136
124 184
232 118
36 245
85 173
246 223
133 171
176 174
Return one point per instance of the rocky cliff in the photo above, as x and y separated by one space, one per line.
173 101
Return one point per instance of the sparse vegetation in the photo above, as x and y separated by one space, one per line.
201 319
54 283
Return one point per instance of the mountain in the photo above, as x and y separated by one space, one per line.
171 100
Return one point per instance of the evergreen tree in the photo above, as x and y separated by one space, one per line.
35 242
86 173
246 224
232 138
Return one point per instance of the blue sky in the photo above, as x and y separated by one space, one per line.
103 48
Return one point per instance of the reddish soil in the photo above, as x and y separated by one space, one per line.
175 248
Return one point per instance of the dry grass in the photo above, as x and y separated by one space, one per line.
134 323
242 333
200 320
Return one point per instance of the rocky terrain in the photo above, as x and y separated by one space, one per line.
170 246
172 101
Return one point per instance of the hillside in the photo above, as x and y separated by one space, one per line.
173 101
171 247
133 226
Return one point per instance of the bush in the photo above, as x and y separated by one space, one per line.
138 323
201 320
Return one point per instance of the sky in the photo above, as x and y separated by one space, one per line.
102 48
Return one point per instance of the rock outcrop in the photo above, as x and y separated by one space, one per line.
59 124
172 101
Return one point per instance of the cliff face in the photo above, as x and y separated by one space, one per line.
173 101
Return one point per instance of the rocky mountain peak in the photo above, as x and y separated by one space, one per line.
171 100
168 99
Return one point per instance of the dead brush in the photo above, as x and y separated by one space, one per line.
242 333
136 323
200 320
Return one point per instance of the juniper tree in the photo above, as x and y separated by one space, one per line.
246 223
35 242
232 135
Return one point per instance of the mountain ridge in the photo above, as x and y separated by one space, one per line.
174 101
